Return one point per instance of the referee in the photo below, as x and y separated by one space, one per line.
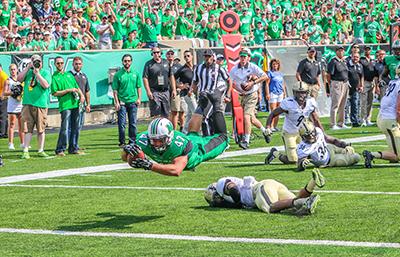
209 82
308 71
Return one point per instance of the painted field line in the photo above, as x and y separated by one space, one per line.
111 167
280 148
204 238
187 189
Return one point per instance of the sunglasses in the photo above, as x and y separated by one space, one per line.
59 63
127 61
156 52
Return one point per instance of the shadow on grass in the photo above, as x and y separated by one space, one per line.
113 221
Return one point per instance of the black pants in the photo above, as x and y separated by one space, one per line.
3 117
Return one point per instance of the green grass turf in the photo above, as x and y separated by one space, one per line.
350 217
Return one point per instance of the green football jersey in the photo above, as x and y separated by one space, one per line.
196 147
392 62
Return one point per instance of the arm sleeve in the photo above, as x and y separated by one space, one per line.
300 67
331 67
146 71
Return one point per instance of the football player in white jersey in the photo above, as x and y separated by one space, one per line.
388 123
296 110
323 150
268 195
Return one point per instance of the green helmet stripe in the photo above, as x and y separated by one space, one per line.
154 126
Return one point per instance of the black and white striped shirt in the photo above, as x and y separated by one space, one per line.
208 78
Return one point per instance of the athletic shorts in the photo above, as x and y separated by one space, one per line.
160 105
34 116
273 98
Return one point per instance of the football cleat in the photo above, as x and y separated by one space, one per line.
318 178
243 145
270 157
309 206
368 158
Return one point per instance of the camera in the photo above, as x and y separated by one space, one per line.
76 95
16 90
36 64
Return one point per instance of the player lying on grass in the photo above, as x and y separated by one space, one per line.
388 123
172 151
320 149
268 195
296 109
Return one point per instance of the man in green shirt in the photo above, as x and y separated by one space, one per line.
65 88
63 42
392 61
173 151
5 14
127 91
275 28
35 102
359 29
167 22
372 28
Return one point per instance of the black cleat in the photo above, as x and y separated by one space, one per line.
368 158
270 157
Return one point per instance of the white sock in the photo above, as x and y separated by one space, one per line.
26 149
263 129
247 138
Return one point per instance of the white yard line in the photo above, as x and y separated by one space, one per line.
187 189
204 238
111 167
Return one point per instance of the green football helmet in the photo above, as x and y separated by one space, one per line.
160 133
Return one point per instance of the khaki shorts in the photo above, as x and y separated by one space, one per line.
249 103
391 129
291 141
178 104
313 90
34 116
269 191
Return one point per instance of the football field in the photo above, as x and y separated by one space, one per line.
94 205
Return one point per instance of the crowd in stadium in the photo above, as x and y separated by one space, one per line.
37 25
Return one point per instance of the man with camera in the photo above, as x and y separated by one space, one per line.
35 102
66 89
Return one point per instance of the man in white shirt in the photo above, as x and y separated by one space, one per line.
246 78
388 123
268 195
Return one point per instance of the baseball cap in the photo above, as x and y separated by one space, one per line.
339 48
208 52
36 57
311 49
245 52
74 30
170 51
220 56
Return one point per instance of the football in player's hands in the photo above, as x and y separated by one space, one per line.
132 152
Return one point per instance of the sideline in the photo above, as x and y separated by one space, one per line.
111 167
204 238
188 189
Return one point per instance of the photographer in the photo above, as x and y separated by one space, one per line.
35 102
13 90
66 89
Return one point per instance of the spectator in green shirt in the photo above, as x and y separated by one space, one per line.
132 42
167 21
35 103
127 84
149 32
63 42
65 88
358 30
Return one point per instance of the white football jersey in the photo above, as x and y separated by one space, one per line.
389 101
294 115
245 186
317 152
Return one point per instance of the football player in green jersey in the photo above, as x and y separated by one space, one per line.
392 61
172 151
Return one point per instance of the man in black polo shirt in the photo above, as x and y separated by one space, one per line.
356 78
156 76
308 72
184 77
338 79
367 95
